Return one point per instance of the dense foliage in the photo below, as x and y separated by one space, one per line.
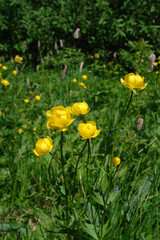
104 25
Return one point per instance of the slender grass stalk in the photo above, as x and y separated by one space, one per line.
111 163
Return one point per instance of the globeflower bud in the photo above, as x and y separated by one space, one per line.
5 82
79 108
37 97
88 130
116 161
43 145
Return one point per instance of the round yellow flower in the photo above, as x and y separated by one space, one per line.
14 72
84 77
59 117
0 113
142 60
97 55
80 108
88 130
20 131
155 64
81 84
132 81
0 64
43 145
74 80
116 161
157 72
91 56
4 67
84 86
34 129
26 100
5 82
37 97
18 59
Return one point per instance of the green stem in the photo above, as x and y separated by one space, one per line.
65 185
111 163
80 155
138 104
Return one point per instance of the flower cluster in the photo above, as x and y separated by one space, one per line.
82 84
61 117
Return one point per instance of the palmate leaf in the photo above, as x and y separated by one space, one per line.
13 226
90 229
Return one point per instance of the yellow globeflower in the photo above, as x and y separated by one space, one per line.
37 97
18 59
88 130
20 131
26 100
14 72
0 113
43 145
84 77
132 81
59 117
80 108
157 72
98 55
116 161
5 82
74 80
92 57
155 64
0 64
81 84
4 67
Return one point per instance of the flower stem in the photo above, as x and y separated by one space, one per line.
138 104
65 185
80 155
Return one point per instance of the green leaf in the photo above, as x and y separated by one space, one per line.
90 230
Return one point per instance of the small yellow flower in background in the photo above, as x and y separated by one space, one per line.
159 58
91 56
30 122
18 59
26 100
155 64
79 108
84 86
142 60
14 72
43 145
88 130
81 84
84 77
132 81
137 53
20 131
30 92
0 74
59 117
151 46
74 80
34 129
4 67
97 56
116 161
0 64
5 82
0 113
37 97
136 60
157 72
158 62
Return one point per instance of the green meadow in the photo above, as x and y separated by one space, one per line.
75 191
